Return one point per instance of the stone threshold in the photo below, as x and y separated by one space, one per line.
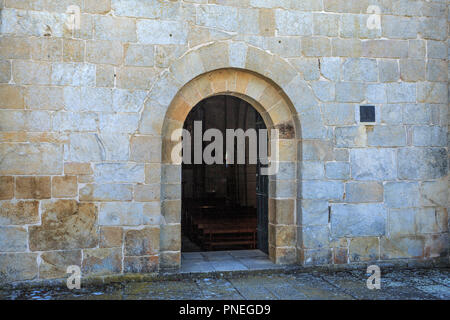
179 275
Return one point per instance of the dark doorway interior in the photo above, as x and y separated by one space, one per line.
224 206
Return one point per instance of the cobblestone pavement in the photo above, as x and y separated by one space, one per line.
399 284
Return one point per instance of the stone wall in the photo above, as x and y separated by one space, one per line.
82 174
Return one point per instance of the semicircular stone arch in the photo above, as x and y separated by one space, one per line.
273 87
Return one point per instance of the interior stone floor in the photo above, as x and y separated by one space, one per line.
235 260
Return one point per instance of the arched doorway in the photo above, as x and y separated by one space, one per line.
278 113
225 199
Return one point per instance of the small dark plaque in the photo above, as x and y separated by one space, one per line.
367 113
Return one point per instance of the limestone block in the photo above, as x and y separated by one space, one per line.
46 49
395 27
337 170
14 47
358 220
416 114
73 50
373 164
389 70
355 26
350 91
338 113
31 158
73 74
316 236
120 214
346 47
119 173
110 237
33 188
312 170
432 92
66 224
312 189
364 249
13 239
147 264
376 93
433 136
401 194
171 211
142 242
324 90
30 72
144 193
422 163
351 136
64 186
437 70
19 212
170 237
220 17
139 55
101 261
385 48
136 8
106 192
386 136
140 78
18 266
313 212
162 32
54 263
6 188
281 211
316 46
360 70
434 193
293 23
402 247
412 70
436 49
401 92
11 97
115 28
103 51
317 150
315 257
308 67
357 191
97 6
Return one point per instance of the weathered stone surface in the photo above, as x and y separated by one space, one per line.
18 266
401 194
6 188
386 136
64 187
54 263
31 158
357 220
120 214
12 97
402 247
338 114
316 236
170 237
364 191
13 239
422 163
364 249
435 193
101 261
147 264
111 237
33 188
145 149
142 242
373 164
150 192
313 212
119 173
74 168
66 224
19 212
106 192
161 32
322 189
337 170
